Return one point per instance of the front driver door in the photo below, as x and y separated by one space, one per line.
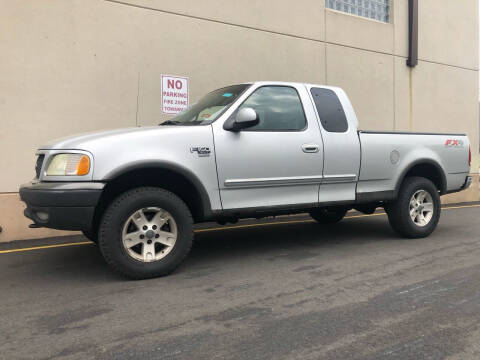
278 162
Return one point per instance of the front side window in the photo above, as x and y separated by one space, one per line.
208 108
278 107
372 9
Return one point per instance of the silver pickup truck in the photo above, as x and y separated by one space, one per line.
248 150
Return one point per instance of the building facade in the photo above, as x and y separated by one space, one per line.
71 66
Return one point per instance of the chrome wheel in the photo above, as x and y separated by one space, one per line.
149 234
421 208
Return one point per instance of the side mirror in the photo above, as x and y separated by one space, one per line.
245 118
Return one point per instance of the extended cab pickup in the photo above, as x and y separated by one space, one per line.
247 150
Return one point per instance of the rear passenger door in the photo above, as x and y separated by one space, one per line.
277 162
341 144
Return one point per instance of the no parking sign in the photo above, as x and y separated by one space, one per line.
174 94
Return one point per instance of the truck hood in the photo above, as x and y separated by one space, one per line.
89 141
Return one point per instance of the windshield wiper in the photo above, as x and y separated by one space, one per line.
170 122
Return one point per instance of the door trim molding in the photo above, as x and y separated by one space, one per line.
335 179
273 181
290 180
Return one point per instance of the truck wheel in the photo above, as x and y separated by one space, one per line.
416 211
328 215
146 232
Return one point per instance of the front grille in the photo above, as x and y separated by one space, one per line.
38 165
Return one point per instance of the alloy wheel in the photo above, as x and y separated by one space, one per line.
421 207
149 234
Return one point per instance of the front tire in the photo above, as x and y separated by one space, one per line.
416 211
146 232
328 215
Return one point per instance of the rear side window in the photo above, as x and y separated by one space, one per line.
278 107
330 110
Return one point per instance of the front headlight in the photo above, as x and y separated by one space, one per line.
69 165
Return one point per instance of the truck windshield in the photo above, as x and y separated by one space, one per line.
208 108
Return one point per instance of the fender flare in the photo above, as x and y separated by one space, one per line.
173 167
443 178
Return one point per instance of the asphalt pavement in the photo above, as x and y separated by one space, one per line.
290 289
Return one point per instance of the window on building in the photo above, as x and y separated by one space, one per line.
372 9
278 107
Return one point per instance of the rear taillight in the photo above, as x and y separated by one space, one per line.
469 156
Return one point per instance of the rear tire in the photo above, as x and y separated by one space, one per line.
416 211
146 232
328 215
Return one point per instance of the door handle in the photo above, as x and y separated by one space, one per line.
310 148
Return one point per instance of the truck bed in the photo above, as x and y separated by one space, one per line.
386 155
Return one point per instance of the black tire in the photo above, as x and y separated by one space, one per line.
328 215
399 211
90 235
111 225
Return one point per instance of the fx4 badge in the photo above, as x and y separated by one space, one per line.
201 150
453 143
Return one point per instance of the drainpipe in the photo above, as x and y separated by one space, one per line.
412 60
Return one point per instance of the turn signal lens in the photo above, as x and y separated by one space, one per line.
69 165
83 166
